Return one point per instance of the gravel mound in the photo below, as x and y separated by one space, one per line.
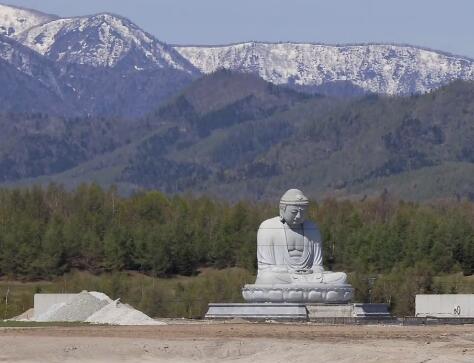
117 313
97 308
78 308
26 316
100 296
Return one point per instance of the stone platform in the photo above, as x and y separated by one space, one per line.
355 310
298 293
316 311
297 312
363 310
259 311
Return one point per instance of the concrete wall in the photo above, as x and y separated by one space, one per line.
448 305
42 302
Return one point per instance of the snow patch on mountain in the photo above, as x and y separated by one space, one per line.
12 54
101 40
14 20
23 58
389 69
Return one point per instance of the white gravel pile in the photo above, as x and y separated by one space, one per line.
78 308
97 308
117 313
101 296
26 316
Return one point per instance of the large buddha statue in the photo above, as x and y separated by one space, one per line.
290 259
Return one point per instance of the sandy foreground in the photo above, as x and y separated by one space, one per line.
244 342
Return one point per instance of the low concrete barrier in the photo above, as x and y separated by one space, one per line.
445 306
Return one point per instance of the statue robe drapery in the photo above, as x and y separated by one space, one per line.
275 266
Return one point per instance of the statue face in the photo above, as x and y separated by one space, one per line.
293 214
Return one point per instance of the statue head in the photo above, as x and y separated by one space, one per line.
293 207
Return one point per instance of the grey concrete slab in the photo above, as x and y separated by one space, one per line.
295 312
330 311
363 310
445 306
258 311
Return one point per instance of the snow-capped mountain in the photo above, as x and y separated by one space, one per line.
102 40
104 64
14 20
97 65
389 69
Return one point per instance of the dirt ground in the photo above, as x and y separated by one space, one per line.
243 342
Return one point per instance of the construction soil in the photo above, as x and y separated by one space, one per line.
243 342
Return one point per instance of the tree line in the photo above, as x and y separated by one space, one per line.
48 231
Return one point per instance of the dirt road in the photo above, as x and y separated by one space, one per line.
217 342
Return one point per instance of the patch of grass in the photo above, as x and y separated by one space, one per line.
454 284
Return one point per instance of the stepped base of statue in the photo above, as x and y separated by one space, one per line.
365 311
298 293
258 311
346 313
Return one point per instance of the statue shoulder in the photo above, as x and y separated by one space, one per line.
271 223
266 231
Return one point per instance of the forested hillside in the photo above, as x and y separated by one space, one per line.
236 136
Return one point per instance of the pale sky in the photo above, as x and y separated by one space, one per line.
446 25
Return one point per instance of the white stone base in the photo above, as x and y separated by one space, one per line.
356 310
298 312
316 311
265 311
445 306
301 293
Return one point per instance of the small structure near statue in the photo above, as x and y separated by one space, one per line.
291 281
445 306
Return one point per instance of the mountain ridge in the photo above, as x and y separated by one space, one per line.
115 32
388 69
295 42
134 86
103 40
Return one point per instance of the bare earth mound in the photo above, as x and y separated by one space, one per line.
217 342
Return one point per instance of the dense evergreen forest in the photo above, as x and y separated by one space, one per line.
47 232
